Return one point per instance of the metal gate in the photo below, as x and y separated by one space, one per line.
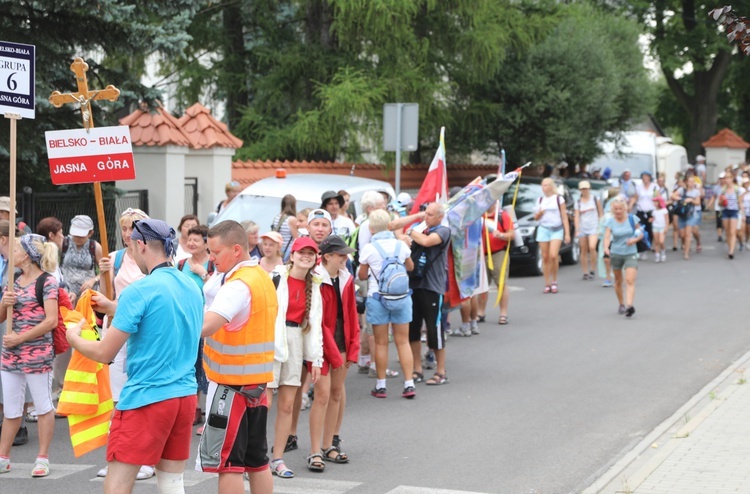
191 195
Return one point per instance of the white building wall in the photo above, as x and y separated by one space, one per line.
213 168
718 159
161 171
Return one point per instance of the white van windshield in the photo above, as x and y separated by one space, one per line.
260 209
618 163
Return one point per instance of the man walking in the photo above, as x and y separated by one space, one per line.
238 359
159 317
428 282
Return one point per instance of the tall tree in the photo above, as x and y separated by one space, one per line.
114 36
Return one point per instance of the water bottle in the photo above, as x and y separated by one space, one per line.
419 269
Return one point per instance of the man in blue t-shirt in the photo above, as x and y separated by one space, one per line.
160 318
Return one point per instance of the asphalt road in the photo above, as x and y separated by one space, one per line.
542 405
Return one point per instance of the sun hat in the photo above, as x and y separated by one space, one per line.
331 194
81 225
275 236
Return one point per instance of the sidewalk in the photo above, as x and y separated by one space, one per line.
704 448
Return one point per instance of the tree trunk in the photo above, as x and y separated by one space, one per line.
235 82
704 113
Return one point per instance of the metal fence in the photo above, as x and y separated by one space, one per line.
33 206
191 195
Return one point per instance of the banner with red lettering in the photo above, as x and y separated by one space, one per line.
103 154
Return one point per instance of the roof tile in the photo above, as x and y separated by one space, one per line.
725 138
158 129
205 131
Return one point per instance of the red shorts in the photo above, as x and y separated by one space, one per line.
145 435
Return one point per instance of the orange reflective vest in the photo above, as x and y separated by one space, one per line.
86 397
245 356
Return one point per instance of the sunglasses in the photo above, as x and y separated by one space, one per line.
135 225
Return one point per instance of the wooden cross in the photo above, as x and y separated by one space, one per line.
84 97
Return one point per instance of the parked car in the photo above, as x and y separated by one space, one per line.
528 257
261 201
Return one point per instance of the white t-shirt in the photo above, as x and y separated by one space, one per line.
369 255
180 254
589 213
659 218
232 301
717 192
646 196
552 213
343 226
364 236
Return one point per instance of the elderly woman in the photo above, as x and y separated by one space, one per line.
553 230
28 350
622 232
186 223
232 189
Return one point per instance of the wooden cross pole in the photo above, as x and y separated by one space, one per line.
84 97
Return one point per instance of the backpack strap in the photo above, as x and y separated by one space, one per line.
211 267
66 245
181 264
92 251
119 257
39 287
632 222
382 253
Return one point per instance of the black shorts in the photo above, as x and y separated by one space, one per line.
234 437
719 223
426 306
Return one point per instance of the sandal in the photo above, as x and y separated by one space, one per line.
553 287
437 379
698 249
315 462
417 377
585 276
547 289
339 458
481 318
503 320
41 468
279 469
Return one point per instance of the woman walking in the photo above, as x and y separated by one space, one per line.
299 338
28 350
730 200
622 232
690 221
553 230
588 210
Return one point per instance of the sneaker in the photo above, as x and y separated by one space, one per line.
607 284
719 239
643 256
145 472
630 311
41 468
379 393
475 330
305 402
657 257
31 416
621 309
388 373
22 437
409 392
103 472
664 256
363 369
429 360
5 465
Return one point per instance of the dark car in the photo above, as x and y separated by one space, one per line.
528 257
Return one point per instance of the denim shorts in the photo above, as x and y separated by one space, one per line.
730 214
377 314
694 220
544 234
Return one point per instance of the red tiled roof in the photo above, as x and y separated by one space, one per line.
155 129
248 172
726 139
205 131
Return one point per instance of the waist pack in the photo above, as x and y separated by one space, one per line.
393 283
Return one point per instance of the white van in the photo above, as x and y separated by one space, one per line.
261 201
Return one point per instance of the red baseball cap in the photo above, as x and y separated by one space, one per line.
303 242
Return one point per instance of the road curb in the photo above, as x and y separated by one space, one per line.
627 473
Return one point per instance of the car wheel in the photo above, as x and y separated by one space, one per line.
573 254
536 267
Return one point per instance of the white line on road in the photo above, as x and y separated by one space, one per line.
405 489
56 470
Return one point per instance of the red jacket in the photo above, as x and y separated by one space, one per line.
330 312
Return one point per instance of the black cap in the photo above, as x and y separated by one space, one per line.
334 244
331 194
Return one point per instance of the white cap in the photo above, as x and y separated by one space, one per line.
700 157
81 225
722 175
319 213
404 198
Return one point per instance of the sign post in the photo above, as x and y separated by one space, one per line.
17 100
400 131
84 97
